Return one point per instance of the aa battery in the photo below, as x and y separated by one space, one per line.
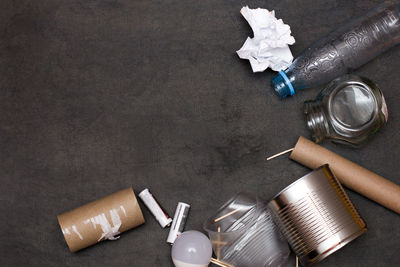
155 208
181 214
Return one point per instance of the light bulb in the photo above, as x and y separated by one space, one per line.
191 249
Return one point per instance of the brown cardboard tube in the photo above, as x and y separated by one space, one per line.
351 175
101 219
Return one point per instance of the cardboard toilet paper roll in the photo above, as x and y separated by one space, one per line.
351 175
100 220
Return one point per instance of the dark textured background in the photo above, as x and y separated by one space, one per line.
99 95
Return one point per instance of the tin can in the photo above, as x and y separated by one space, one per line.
316 216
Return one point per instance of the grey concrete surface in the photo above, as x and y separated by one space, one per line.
100 95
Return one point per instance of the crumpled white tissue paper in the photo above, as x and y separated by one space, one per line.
270 45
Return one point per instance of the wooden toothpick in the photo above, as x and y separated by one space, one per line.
281 153
216 242
297 261
226 215
220 263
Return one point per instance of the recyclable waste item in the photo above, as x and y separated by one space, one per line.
351 175
151 203
100 220
316 216
269 48
191 249
350 110
243 233
178 224
343 50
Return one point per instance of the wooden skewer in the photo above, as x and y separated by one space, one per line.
297 261
281 153
220 263
226 215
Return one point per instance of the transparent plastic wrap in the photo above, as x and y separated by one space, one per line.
243 234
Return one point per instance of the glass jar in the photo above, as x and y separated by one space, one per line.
349 111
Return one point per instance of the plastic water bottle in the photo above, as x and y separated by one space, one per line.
343 50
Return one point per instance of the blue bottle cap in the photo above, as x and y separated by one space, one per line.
282 85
